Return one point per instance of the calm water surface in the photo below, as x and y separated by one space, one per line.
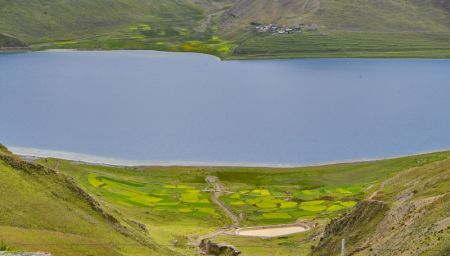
176 107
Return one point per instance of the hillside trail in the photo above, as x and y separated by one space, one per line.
374 194
218 190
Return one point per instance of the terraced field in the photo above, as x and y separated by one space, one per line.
264 206
170 199
347 44
173 204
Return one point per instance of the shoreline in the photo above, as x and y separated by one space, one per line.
34 153
262 57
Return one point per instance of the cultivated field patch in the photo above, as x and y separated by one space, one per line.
271 206
184 199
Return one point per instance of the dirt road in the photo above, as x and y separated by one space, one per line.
218 191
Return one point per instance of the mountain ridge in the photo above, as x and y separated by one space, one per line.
226 28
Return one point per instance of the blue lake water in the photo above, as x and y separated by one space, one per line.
183 107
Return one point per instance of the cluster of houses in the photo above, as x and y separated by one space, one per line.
277 29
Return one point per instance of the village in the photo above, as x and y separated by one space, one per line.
278 29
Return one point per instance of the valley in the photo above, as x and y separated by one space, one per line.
224 127
171 207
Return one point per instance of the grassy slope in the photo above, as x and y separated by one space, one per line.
131 192
348 28
409 216
35 21
43 211
10 42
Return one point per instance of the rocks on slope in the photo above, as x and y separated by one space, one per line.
410 215
210 248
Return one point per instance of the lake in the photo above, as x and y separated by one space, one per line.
187 108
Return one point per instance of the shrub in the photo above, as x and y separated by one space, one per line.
5 247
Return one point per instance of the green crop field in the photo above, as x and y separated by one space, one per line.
175 205
165 210
347 44
284 204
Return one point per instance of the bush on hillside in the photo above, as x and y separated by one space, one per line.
5 247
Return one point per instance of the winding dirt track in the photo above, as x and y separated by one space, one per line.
217 187
262 231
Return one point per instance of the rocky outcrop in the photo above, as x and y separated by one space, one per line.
210 248
28 167
412 219
349 226
364 212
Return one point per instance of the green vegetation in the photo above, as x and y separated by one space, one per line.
4 247
10 42
151 210
409 213
41 210
289 203
180 40
225 28
346 44
174 204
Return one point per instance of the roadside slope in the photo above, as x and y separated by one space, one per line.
41 210
408 215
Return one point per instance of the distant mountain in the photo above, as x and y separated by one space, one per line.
380 15
423 26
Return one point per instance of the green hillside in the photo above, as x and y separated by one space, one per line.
41 210
44 21
69 208
10 42
408 215
346 15
174 203
226 28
